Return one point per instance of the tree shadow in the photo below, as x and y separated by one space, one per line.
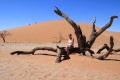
115 54
111 60
46 54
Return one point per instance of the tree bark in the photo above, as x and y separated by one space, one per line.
102 57
59 55
3 39
33 50
81 39
105 46
78 32
116 50
61 52
96 34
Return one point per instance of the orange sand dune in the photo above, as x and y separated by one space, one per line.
47 31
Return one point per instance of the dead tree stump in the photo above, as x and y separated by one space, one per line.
61 52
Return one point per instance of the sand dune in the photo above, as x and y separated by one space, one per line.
47 31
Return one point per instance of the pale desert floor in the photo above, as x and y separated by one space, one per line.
42 66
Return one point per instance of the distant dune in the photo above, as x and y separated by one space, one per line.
46 32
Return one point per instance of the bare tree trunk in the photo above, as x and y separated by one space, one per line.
33 50
61 52
59 55
3 39
81 39
78 32
110 50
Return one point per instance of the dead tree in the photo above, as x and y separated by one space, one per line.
3 35
102 57
84 45
105 46
59 39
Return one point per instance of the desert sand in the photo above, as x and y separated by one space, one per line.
42 66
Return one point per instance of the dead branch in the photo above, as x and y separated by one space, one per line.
33 50
102 57
94 36
116 50
105 46
93 28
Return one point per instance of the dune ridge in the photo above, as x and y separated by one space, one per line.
47 31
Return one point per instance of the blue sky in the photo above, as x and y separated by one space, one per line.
16 13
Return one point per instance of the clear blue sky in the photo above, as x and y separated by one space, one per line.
16 13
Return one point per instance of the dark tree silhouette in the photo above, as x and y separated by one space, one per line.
105 46
59 38
83 45
4 34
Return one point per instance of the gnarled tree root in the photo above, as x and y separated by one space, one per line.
33 50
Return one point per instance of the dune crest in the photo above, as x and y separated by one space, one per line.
46 32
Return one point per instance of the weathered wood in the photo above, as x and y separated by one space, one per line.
61 52
45 48
22 52
77 29
105 46
83 45
33 50
81 39
102 57
59 55
96 34
116 50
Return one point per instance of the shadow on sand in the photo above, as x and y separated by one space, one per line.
46 54
111 60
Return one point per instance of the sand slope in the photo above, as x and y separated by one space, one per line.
47 31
